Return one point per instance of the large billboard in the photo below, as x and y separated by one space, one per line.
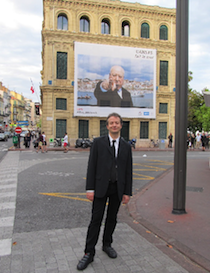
114 79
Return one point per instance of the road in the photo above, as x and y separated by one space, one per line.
51 187
4 146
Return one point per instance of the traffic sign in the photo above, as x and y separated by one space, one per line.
18 130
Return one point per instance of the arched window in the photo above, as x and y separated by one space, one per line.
105 26
145 30
62 22
125 28
163 32
84 24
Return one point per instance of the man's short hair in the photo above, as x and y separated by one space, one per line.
114 115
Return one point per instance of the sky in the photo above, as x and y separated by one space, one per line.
21 45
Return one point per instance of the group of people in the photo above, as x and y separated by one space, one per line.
194 142
200 140
42 143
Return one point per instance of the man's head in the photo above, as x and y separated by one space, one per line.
116 75
114 124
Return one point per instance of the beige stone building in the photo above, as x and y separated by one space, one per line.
108 22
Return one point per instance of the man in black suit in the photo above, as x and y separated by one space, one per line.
110 92
109 176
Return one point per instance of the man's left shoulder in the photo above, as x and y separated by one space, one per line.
124 142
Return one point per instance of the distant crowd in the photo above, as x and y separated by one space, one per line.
198 140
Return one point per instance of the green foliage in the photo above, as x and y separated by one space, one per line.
198 113
203 116
195 102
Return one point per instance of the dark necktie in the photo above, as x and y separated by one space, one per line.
113 147
113 177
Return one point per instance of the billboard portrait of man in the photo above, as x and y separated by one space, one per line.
110 92
107 77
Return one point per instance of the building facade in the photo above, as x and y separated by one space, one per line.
107 23
5 106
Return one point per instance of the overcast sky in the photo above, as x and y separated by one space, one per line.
20 43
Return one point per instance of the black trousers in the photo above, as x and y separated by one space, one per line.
98 209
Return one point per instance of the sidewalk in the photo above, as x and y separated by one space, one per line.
188 233
141 244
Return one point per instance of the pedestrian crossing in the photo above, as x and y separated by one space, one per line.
8 192
4 148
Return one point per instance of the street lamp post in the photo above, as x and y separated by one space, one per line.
179 193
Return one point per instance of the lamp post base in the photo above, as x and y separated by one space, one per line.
179 211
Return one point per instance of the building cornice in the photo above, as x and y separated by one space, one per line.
114 5
68 38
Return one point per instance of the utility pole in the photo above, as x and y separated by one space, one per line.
179 193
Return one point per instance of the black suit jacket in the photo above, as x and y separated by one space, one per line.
100 164
111 98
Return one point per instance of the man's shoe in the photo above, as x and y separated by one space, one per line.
85 261
110 251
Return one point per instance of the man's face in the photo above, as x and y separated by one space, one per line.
114 126
117 76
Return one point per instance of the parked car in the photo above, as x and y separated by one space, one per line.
8 134
24 133
3 137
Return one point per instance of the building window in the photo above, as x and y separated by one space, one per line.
105 26
61 104
145 30
83 128
163 108
103 129
125 29
84 24
162 130
62 65
60 128
62 22
144 129
163 32
125 130
163 72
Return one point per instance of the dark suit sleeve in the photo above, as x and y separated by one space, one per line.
129 174
127 100
103 98
92 165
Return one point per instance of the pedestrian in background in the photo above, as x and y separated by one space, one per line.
198 141
170 140
203 141
109 176
65 143
29 139
192 141
40 143
44 142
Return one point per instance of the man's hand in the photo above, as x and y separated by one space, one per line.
125 199
105 84
109 84
90 195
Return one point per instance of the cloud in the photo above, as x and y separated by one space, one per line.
20 44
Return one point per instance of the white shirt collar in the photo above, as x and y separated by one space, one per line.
119 92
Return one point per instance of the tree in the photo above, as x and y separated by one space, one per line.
203 116
195 101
